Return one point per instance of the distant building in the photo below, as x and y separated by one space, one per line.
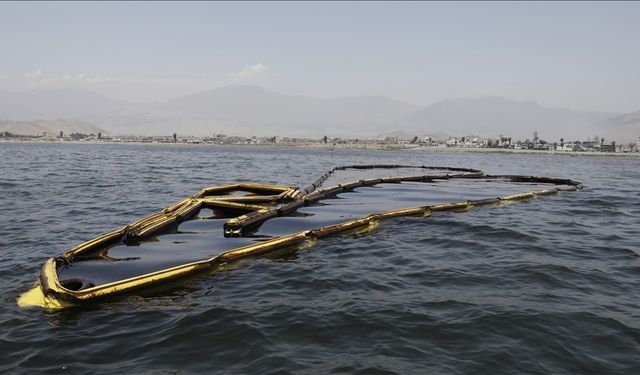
48 136
608 148
425 141
568 146
472 142
453 142
541 146
391 140
504 142
590 146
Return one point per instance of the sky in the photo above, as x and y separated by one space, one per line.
579 55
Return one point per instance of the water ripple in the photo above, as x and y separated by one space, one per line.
546 286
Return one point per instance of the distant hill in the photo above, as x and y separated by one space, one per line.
492 116
264 112
250 110
52 126
236 109
625 127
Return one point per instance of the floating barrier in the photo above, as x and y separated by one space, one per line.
93 271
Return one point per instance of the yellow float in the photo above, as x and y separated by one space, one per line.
243 220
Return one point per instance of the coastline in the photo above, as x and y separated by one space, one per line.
343 146
417 148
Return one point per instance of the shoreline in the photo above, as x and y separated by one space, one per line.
342 146
413 148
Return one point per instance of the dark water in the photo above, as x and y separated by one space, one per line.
547 286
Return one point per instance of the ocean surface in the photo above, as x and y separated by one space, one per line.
550 285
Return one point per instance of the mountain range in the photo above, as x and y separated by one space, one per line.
251 110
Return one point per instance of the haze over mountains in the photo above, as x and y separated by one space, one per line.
250 110
52 126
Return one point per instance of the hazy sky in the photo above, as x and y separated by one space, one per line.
577 55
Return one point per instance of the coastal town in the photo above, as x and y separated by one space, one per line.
593 144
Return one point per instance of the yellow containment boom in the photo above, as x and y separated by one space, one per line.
245 207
